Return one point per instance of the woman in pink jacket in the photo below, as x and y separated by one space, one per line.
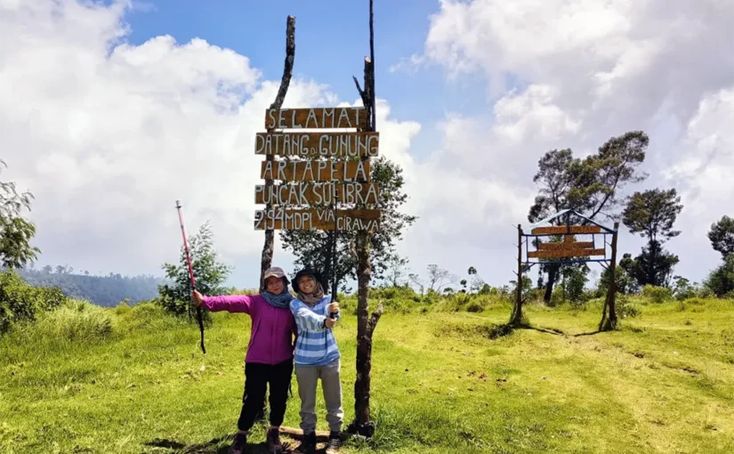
269 360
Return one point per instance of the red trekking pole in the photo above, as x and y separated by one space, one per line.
192 279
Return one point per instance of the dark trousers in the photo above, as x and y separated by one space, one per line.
257 378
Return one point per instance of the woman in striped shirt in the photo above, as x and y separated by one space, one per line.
316 357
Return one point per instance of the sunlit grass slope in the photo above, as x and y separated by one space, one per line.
132 380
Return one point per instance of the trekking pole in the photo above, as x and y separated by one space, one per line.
192 279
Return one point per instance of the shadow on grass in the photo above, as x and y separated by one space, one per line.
497 331
215 445
590 333
553 331
221 446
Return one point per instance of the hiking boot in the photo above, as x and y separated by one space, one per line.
308 444
334 443
273 441
239 443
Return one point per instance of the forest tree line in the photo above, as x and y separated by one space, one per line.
604 186
107 290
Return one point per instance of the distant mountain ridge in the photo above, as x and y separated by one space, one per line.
107 290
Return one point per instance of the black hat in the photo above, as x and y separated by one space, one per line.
306 272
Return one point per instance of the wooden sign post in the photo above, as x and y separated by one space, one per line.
321 180
317 176
324 177
549 250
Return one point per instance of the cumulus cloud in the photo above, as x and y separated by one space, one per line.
107 135
572 73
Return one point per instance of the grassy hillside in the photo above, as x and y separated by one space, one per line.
132 380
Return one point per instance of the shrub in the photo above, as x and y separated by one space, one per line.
122 308
721 280
656 294
21 302
683 288
148 315
389 293
76 321
627 309
693 301
175 295
474 306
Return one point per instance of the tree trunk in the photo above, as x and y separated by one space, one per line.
334 263
266 259
363 424
609 314
552 276
516 316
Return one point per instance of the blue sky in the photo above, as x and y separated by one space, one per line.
110 111
332 38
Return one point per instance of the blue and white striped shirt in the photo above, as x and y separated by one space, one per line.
315 345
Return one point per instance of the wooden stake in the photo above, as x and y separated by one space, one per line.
609 314
363 424
516 317
266 259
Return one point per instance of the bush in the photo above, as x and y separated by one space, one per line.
627 309
721 280
656 294
149 316
393 299
76 321
21 302
175 296
122 308
683 288
394 293
474 306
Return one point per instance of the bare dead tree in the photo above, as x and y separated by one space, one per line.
609 312
290 55
366 323
516 316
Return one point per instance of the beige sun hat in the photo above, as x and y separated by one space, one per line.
275 271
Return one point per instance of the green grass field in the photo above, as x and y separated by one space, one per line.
662 383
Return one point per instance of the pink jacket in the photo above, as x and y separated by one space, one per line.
273 329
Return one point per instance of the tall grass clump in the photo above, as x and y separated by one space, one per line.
20 302
655 294
400 299
76 321
149 316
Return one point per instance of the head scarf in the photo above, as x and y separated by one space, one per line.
317 294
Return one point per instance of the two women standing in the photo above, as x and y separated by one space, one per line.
269 361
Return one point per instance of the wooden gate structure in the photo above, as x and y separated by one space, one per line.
568 237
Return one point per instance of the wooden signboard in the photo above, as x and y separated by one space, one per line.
319 118
566 245
562 253
300 194
566 229
315 170
317 218
318 144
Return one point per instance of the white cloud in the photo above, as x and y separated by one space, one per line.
571 74
107 135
